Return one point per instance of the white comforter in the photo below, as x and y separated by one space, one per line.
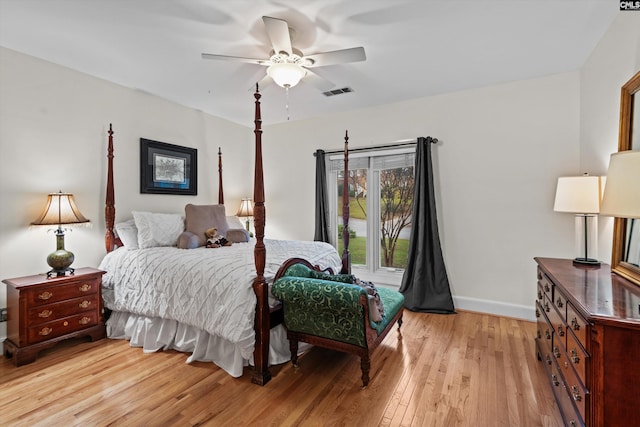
210 289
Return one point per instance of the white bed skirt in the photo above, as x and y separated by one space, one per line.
155 334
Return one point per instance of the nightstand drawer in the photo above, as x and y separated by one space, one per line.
49 294
50 312
61 327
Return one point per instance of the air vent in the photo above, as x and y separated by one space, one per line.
338 91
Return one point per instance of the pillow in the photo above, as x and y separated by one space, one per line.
187 240
234 222
128 234
157 229
199 218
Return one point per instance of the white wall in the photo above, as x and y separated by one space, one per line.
500 152
53 136
612 63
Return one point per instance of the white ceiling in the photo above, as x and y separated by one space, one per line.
414 48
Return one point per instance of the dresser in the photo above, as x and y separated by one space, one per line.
588 339
42 312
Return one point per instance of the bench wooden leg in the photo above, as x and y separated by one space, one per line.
293 347
365 365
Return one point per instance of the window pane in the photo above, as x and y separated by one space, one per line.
396 201
357 182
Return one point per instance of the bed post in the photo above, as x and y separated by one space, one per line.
220 191
110 206
346 255
261 374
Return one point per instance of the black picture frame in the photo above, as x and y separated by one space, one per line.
168 168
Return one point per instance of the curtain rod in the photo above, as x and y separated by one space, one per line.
396 144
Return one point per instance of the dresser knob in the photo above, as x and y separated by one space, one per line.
45 331
548 358
45 295
85 287
560 331
556 352
575 325
65 323
546 307
84 304
559 303
84 320
554 380
45 313
547 334
576 393
574 356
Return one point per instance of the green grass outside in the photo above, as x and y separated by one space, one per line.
355 211
357 247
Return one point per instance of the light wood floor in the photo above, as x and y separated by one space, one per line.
466 369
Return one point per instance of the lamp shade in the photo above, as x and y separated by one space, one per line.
622 192
60 209
246 208
578 194
286 74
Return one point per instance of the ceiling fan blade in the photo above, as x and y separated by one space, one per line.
355 54
235 58
278 32
317 81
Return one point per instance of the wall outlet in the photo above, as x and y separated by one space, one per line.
3 314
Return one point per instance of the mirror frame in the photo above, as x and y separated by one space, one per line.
624 269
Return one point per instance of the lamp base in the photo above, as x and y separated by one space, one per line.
60 273
586 262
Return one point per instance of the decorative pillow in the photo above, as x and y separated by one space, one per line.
199 218
128 234
157 229
187 240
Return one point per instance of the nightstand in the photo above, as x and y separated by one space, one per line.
41 312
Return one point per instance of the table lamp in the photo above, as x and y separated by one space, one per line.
580 195
60 210
245 211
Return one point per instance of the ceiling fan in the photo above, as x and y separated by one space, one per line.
287 66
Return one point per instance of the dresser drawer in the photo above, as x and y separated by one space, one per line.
62 326
578 325
577 356
565 402
50 312
544 283
574 387
50 294
557 323
544 334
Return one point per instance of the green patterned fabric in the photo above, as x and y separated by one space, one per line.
328 305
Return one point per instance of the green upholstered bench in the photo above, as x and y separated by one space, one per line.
328 310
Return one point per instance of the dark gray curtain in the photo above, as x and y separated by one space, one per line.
322 224
425 284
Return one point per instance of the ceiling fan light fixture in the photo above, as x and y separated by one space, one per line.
285 74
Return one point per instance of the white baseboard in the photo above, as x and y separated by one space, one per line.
494 307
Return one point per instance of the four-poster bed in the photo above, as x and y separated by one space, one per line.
132 319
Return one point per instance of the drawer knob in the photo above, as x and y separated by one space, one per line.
554 380
539 334
556 352
547 334
84 320
539 294
574 356
559 303
537 312
84 304
45 331
546 307
546 287
85 287
560 331
65 323
45 313
548 359
575 324
45 295
576 393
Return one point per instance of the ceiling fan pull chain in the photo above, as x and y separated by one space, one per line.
286 89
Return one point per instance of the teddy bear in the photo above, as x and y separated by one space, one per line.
215 240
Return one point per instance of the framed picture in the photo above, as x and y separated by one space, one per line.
167 168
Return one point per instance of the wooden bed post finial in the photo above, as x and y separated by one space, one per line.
346 255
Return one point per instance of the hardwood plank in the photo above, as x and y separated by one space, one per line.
467 369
